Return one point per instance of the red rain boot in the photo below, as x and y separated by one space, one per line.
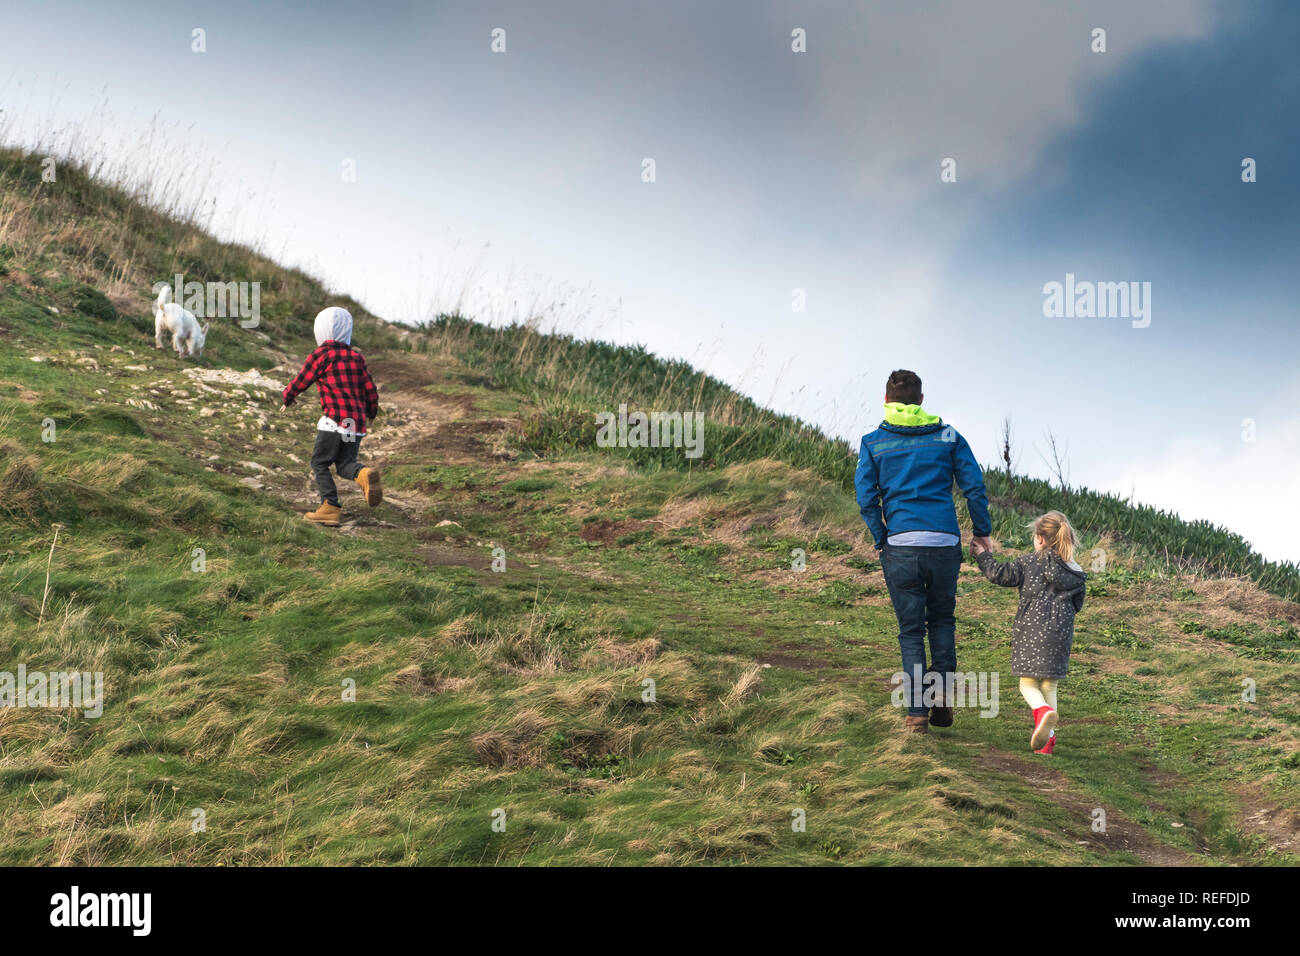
1044 724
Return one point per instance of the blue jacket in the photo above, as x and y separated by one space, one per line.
905 476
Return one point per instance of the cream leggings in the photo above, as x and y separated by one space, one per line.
1038 691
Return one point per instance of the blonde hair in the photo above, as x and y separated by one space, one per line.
1057 534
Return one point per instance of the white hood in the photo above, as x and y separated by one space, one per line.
333 324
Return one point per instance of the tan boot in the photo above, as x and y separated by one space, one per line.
327 515
371 487
918 725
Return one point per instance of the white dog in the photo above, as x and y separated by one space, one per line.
187 335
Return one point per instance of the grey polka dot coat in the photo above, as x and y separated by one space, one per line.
1051 593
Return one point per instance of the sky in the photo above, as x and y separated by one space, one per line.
510 184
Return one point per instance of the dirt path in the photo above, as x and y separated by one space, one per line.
1260 816
416 425
1121 835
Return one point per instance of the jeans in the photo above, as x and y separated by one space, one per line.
333 449
922 586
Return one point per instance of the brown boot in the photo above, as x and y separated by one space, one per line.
918 725
368 479
327 515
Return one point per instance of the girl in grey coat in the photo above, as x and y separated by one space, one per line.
1051 587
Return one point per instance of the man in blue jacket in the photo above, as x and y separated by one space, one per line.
904 481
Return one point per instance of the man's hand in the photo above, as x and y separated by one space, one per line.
980 545
284 408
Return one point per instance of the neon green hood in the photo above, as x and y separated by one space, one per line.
908 416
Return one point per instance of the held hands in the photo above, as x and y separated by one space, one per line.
979 545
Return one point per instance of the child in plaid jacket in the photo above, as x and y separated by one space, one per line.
349 399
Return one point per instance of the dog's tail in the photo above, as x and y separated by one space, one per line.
164 296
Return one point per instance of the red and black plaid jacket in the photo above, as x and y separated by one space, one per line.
343 382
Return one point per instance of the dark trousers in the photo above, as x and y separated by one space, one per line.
922 585
333 448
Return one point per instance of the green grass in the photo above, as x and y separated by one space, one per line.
570 380
524 693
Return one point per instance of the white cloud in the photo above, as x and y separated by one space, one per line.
1247 487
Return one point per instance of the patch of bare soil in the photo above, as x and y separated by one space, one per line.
399 373
355 522
413 423
24 393
1121 835
444 555
1278 825
418 423
607 532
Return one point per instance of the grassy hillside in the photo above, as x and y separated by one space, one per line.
521 692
